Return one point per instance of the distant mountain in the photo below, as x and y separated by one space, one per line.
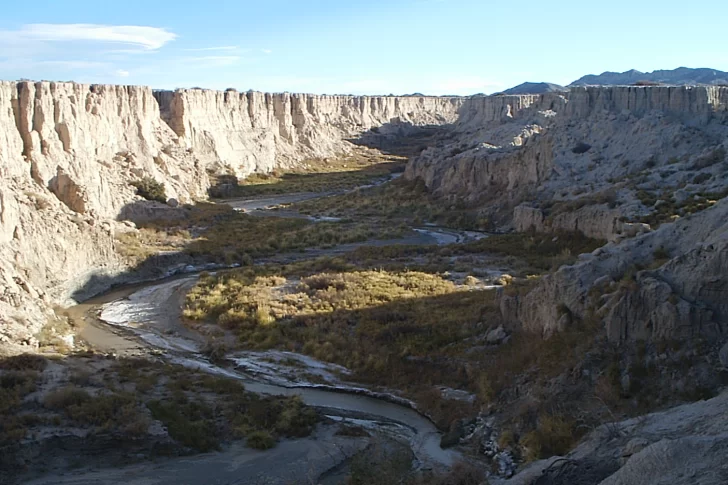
535 88
679 76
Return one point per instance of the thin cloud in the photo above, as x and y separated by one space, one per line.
122 73
149 38
266 51
219 48
210 61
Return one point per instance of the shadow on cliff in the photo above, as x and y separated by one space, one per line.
331 182
403 138
147 267
394 139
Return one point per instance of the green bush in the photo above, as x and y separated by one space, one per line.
189 423
261 440
150 189
118 412
553 436
24 362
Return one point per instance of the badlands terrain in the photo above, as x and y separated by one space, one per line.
221 287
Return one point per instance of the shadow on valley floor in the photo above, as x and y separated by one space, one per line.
205 236
322 178
391 145
402 138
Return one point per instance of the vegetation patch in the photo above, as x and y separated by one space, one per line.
541 251
317 175
400 200
150 189
391 328
221 234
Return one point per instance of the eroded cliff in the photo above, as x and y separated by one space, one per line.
256 132
557 153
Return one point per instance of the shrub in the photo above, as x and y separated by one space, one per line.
106 412
65 398
702 178
295 420
506 439
189 423
553 436
261 440
661 254
24 362
150 189
580 148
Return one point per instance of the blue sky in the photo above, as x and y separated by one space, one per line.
358 47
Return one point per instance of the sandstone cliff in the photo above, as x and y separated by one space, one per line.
67 154
256 132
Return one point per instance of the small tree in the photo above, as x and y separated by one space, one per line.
150 189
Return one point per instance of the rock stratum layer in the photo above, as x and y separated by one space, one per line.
68 153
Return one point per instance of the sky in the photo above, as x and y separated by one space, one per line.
434 47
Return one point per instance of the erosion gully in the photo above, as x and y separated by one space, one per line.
147 317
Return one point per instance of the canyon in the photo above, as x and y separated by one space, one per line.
638 171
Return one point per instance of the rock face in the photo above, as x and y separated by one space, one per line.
587 161
681 299
67 154
578 160
256 132
680 446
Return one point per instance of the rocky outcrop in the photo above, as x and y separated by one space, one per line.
557 149
256 132
682 298
68 191
680 446
596 221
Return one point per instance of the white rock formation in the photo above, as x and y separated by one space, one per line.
685 298
552 149
256 132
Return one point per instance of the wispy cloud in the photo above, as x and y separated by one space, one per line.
209 61
218 48
266 51
84 50
144 37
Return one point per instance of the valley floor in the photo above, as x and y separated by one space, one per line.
331 328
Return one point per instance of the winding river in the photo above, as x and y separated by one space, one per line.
148 316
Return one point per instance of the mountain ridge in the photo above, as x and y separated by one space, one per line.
678 76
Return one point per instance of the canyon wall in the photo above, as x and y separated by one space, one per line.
520 157
257 132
